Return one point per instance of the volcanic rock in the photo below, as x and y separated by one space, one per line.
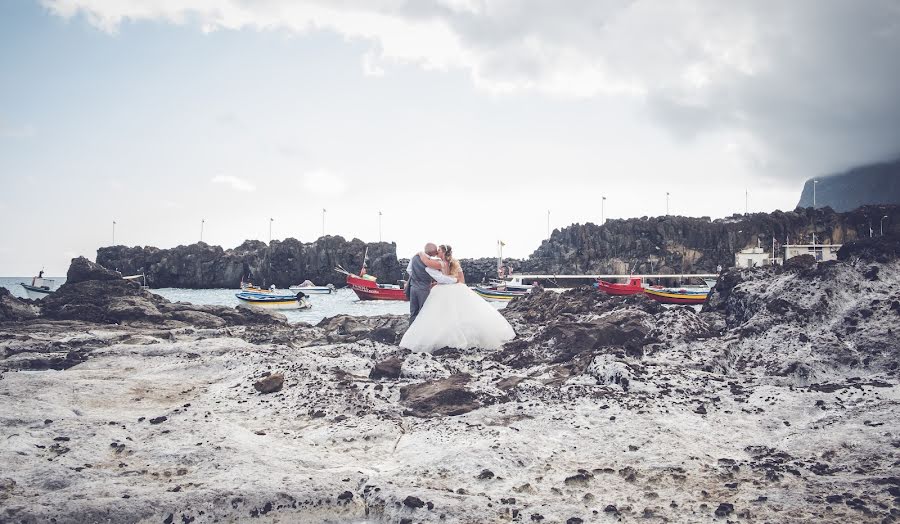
13 308
440 397
389 368
270 384
82 269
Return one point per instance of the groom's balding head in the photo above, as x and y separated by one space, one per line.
430 249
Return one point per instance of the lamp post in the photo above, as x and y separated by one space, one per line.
379 226
602 202
323 221
882 224
746 202
114 233
270 229
667 203
202 221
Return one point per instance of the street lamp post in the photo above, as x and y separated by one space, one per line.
270 229
746 202
114 233
882 224
667 203
602 202
323 221
202 221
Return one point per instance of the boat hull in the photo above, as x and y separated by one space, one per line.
493 295
313 290
35 292
631 288
677 296
369 290
270 301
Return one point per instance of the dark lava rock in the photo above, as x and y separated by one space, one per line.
724 509
537 517
440 397
387 329
485 474
873 249
13 308
82 270
389 368
574 520
158 420
270 384
345 496
800 262
413 502
610 509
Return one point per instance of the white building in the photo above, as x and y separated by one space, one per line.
822 252
751 257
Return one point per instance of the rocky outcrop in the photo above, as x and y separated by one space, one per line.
13 309
94 294
677 244
447 396
283 263
860 186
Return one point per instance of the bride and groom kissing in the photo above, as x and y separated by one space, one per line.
443 311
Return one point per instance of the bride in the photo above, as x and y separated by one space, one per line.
453 315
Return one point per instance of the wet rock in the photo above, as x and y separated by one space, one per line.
270 384
440 397
389 369
13 308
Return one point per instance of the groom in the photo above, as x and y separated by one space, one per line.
421 278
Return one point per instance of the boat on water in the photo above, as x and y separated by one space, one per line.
40 287
273 300
493 294
634 286
683 296
367 289
311 289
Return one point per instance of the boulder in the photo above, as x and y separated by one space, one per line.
83 270
13 308
270 384
440 397
389 368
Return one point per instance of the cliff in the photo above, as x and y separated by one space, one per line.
675 244
865 185
282 263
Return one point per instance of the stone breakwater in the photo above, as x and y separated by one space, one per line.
283 263
778 402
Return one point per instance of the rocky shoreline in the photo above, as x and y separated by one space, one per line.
778 402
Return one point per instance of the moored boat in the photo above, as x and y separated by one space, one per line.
311 289
634 286
493 294
367 289
40 287
678 295
274 301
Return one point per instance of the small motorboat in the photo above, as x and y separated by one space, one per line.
634 286
273 300
40 287
683 296
493 294
311 289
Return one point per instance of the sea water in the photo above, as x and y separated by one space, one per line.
343 301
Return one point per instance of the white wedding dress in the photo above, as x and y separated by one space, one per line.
454 316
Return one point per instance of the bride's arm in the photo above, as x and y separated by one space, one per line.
430 262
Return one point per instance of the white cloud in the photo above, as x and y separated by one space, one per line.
323 183
809 81
234 182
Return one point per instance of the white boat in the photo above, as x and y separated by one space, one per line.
40 287
311 289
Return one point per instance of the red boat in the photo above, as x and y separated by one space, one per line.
367 289
633 287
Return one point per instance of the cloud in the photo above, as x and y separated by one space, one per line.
805 85
323 183
234 182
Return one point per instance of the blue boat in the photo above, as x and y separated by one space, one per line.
273 300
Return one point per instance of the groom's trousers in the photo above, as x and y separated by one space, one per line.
417 297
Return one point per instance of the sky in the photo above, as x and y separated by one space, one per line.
460 121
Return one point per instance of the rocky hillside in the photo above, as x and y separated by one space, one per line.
676 244
866 185
282 263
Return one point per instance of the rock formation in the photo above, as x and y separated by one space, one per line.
282 263
860 186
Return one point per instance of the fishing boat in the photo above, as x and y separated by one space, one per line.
682 296
274 301
634 286
40 287
493 294
367 287
311 289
